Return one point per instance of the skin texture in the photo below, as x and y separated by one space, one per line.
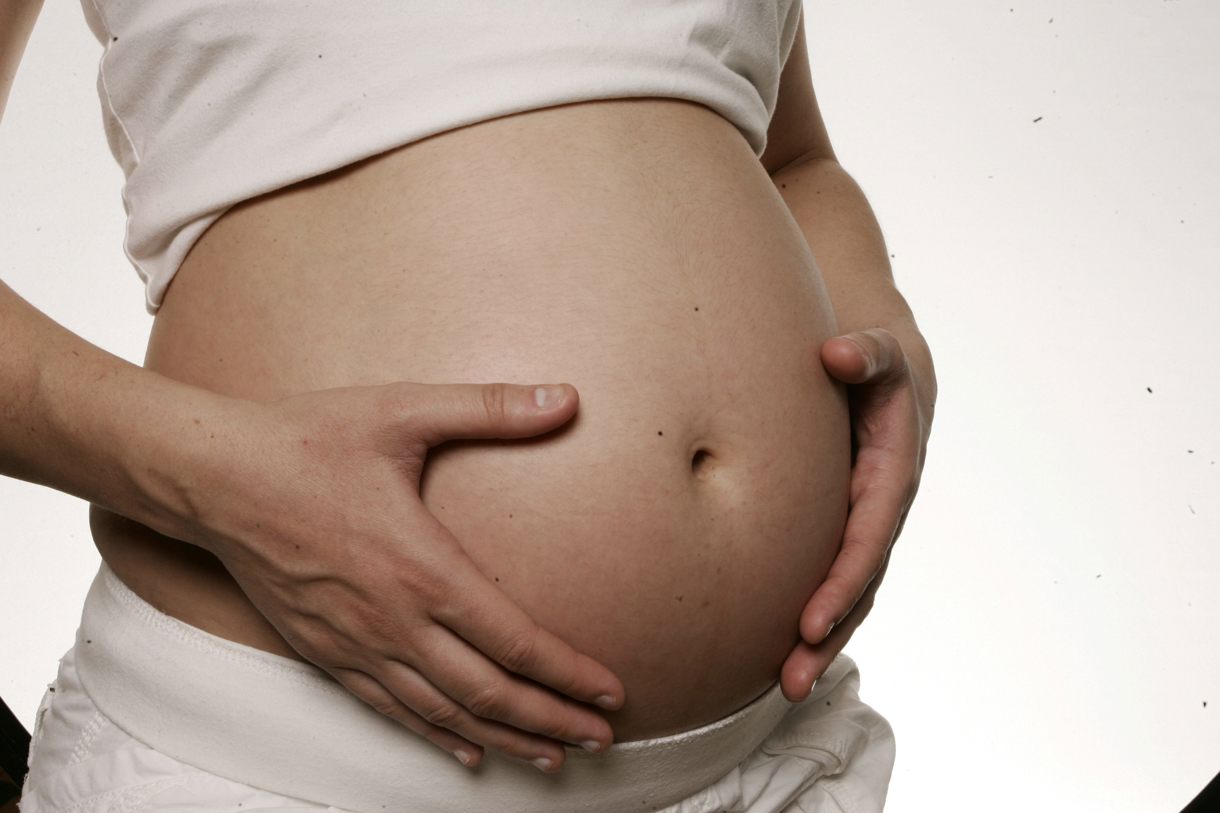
636 249
883 358
891 404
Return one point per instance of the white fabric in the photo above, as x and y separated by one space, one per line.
209 103
149 709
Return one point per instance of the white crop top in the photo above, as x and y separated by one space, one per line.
207 103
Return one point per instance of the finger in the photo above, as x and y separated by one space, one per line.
505 633
485 617
375 695
489 692
439 710
884 476
871 525
435 413
807 663
874 355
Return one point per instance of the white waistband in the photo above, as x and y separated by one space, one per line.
288 727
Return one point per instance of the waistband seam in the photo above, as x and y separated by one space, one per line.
182 632
133 675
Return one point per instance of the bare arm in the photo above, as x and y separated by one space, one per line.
844 236
16 21
84 421
835 217
879 350
234 477
73 416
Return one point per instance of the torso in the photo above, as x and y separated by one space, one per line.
633 248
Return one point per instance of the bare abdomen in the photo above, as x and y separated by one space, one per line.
635 249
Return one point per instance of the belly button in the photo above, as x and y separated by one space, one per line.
700 463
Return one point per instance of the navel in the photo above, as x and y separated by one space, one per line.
701 462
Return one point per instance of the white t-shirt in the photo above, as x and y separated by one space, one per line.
207 103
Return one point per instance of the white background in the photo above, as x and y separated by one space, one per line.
1047 175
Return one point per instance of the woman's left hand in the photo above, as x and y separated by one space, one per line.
891 403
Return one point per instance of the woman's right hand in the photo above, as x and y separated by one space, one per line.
320 521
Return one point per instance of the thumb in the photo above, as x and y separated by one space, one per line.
863 355
434 413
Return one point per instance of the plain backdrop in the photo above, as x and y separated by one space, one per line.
1047 175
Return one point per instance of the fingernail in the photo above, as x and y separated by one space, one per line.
547 397
829 627
606 701
463 757
543 763
592 746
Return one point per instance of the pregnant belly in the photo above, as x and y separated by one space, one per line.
633 248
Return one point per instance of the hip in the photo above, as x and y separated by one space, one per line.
147 712
635 249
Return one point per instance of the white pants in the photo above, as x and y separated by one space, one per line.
148 713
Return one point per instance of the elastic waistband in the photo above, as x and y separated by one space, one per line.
286 726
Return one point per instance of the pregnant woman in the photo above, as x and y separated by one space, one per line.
334 536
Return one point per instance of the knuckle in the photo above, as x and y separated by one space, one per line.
888 349
424 587
872 340
494 401
855 548
521 746
519 652
839 594
387 707
443 714
396 415
371 623
486 701
394 402
513 746
884 338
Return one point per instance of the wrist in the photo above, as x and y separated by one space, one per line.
129 439
178 455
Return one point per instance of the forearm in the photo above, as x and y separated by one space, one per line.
850 251
86 422
16 21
